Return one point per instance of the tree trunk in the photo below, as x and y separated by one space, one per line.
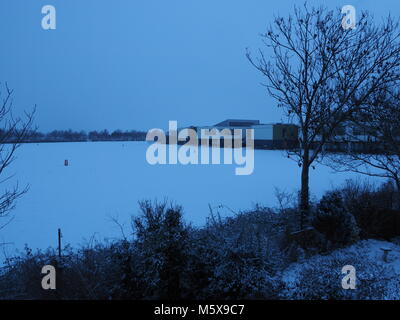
304 192
397 199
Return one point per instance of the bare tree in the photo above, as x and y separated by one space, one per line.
374 140
13 132
321 73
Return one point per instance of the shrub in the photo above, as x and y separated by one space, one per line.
374 208
239 257
162 241
334 221
321 278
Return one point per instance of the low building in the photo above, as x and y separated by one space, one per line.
276 135
350 136
266 136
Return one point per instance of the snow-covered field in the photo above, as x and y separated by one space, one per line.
106 179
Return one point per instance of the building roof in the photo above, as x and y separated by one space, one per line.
237 123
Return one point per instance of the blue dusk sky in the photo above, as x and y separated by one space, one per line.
132 64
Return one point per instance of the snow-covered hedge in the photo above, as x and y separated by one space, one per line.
320 277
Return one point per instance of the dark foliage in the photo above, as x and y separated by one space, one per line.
79 136
373 208
334 221
239 257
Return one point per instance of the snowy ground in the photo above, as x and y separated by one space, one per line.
370 249
367 258
106 179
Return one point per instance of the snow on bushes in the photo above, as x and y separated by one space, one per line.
320 277
334 221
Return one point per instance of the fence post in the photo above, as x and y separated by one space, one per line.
59 243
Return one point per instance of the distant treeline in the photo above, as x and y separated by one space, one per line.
77 136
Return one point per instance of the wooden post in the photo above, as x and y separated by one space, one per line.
59 243
385 253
